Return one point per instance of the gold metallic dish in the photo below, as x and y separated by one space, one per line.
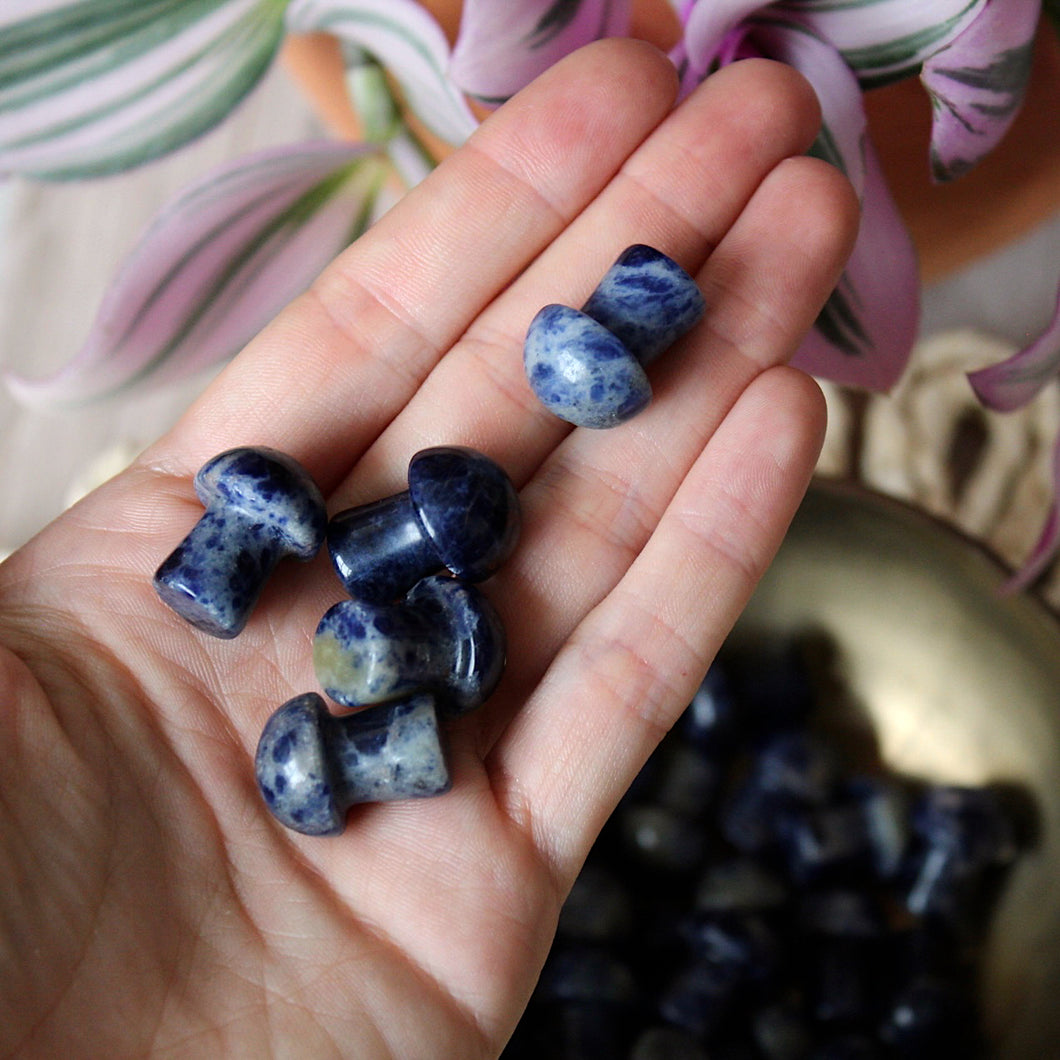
962 686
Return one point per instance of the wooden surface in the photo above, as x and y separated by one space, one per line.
929 442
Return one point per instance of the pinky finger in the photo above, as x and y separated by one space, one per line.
634 662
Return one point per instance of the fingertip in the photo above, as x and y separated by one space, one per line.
626 64
828 217
609 93
783 409
771 95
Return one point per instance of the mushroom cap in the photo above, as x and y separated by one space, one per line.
467 507
293 770
270 490
367 653
476 643
580 371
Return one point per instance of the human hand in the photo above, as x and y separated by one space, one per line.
150 904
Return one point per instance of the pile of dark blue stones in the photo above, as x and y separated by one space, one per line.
767 890
417 638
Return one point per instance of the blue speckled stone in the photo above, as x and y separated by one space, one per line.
842 912
781 1031
586 366
667 1043
698 998
586 973
739 884
959 833
969 824
885 808
662 839
261 505
713 719
647 301
444 637
930 1017
580 371
744 945
822 842
797 765
311 766
460 512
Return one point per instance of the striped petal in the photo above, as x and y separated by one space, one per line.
89 87
881 40
217 265
843 123
1012 383
865 332
403 37
504 44
885 40
977 84
706 26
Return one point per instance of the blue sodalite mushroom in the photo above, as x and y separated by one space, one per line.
444 637
647 301
460 512
311 765
960 833
261 505
587 366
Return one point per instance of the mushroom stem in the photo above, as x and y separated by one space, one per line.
380 548
214 577
444 637
311 765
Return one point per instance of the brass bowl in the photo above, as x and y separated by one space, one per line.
962 686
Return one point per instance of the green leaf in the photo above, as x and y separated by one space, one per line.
217 264
90 87
405 39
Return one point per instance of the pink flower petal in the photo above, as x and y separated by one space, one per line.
504 44
977 82
843 122
880 40
216 265
866 331
706 26
885 40
1013 382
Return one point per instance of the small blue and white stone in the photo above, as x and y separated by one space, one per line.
580 371
444 637
261 505
460 512
647 301
586 366
311 765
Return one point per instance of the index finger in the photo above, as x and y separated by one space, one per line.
330 373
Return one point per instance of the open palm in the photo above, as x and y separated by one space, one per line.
148 902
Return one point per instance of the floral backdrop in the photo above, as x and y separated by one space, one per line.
93 87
